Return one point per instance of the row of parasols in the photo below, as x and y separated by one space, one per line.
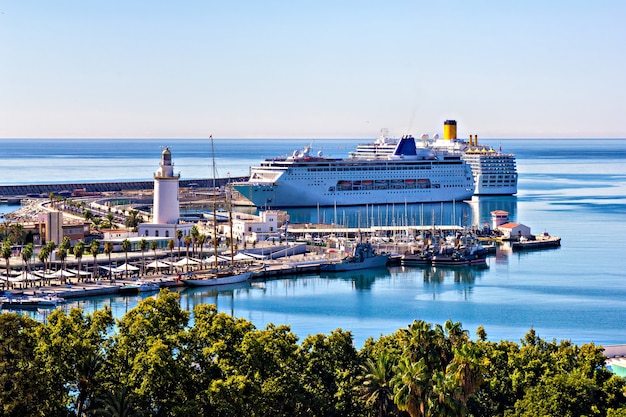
25 276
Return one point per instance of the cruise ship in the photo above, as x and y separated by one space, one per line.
408 174
495 172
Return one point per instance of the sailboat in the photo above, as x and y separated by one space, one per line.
216 276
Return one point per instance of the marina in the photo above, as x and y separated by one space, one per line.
571 292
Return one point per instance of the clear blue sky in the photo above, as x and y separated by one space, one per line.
311 69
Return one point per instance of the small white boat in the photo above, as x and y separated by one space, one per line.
149 287
217 278
31 302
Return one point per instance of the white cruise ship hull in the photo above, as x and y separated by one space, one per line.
407 176
296 194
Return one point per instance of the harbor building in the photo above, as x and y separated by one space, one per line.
166 205
509 230
250 228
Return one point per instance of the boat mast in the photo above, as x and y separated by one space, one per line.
229 202
214 204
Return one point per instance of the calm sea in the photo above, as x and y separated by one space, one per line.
575 189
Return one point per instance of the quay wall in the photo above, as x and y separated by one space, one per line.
101 187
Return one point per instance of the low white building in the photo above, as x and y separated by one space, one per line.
514 230
250 228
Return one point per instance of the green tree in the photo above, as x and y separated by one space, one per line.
108 250
27 254
116 404
24 382
43 258
187 245
143 245
79 251
94 248
170 246
66 243
126 247
7 253
375 383
133 219
195 234
62 255
201 242
144 355
179 237
110 223
153 246
438 370
330 374
71 347
50 247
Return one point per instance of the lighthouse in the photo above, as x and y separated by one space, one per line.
166 205
165 209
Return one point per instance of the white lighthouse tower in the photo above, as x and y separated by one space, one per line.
166 205
166 209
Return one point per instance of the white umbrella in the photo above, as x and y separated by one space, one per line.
211 259
243 257
158 264
185 262
62 273
125 267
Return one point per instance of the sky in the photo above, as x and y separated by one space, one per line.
311 68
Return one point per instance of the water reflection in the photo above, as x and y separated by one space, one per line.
361 280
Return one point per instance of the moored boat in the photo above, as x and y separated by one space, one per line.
217 278
31 302
536 242
363 257
419 258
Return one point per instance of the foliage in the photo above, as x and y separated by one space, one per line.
155 363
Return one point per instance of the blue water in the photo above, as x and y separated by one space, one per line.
575 189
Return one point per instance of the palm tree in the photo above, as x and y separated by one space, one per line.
27 253
7 252
79 250
411 386
51 247
110 218
179 236
17 233
201 241
94 248
187 245
170 246
143 245
467 369
195 233
61 255
153 246
126 247
108 250
376 383
117 404
43 258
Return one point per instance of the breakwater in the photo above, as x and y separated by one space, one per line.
43 190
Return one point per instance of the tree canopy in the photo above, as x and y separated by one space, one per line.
155 362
